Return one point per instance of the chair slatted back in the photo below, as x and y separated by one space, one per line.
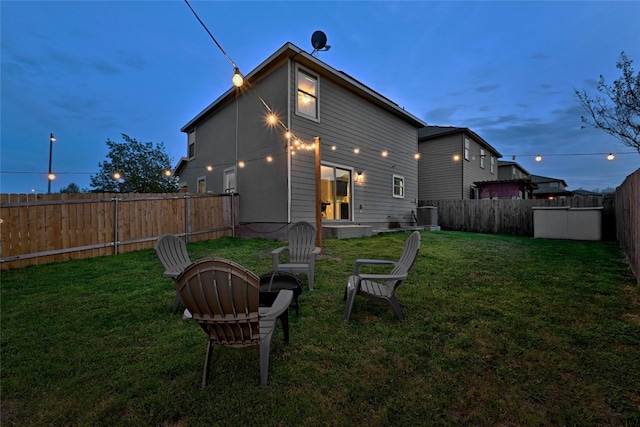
172 254
223 298
407 259
302 241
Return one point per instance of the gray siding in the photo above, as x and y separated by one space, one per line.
440 176
262 186
443 178
472 170
348 121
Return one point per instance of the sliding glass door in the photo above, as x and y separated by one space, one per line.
336 193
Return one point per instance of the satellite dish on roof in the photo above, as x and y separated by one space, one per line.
319 42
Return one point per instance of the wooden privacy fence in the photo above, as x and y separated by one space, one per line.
39 229
628 220
506 216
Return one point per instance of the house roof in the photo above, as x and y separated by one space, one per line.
287 52
432 132
541 179
511 163
522 181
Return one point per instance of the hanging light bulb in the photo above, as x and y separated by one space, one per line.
237 78
356 151
538 158
241 164
611 156
416 156
272 119
385 153
456 157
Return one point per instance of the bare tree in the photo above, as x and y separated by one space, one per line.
617 111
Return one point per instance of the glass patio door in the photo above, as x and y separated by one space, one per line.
335 193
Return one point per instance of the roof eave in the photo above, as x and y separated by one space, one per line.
288 51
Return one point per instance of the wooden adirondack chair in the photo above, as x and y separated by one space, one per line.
223 297
172 254
364 284
302 252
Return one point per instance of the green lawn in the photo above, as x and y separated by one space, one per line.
498 330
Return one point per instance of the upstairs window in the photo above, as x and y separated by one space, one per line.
466 148
307 101
398 186
191 144
492 164
482 158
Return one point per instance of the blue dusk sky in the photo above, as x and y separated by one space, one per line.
88 71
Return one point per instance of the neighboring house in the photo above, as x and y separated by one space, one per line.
549 188
513 183
511 170
452 159
506 189
368 174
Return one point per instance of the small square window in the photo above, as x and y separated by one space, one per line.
398 186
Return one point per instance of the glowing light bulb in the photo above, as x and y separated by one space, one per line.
237 78
416 156
269 159
117 175
272 119
385 153
611 157
51 176
538 158
306 99
356 150
333 148
241 164
167 172
209 168
456 157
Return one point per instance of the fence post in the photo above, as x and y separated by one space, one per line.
187 216
115 226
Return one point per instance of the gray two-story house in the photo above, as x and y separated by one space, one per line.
259 141
452 159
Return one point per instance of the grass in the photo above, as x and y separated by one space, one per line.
499 330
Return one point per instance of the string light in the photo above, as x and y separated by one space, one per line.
237 78
416 156
385 153
209 168
269 159
611 157
356 150
538 158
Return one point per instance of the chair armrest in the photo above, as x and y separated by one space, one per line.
280 304
401 275
275 256
361 262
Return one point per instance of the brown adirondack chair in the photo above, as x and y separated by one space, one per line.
223 297
172 254
302 252
364 284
